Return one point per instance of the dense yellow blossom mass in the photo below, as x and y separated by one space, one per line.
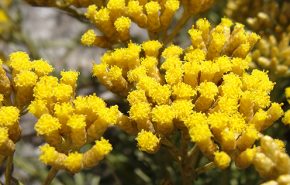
16 93
68 122
203 90
114 18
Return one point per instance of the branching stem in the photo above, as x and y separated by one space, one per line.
8 170
50 176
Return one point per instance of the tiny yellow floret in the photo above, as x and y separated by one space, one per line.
102 147
140 111
183 91
208 90
222 160
38 108
19 61
47 124
147 142
73 162
9 115
286 118
122 24
172 51
48 154
88 38
76 121
151 47
25 79
69 78
41 67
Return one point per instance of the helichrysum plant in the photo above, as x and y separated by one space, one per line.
207 104
202 93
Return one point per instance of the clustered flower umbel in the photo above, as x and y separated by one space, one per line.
272 162
115 18
15 95
204 89
271 20
68 122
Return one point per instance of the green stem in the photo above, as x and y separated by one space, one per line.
8 170
50 176
193 157
205 168
184 18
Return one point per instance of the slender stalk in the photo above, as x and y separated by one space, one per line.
184 18
8 170
50 176
205 168
175 154
186 167
193 155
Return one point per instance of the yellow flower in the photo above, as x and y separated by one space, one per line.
38 108
147 141
19 61
88 38
222 160
41 67
9 116
47 124
25 79
245 158
77 125
69 78
163 116
140 111
286 118
48 154
122 25
183 91
96 153
73 162
151 47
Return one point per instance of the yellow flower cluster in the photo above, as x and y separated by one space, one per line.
16 93
272 54
272 162
271 20
25 74
203 89
262 15
67 123
115 19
